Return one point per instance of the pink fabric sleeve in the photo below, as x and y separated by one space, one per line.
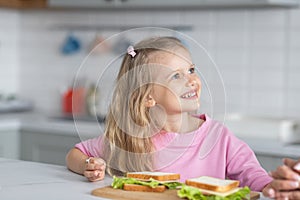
91 147
245 167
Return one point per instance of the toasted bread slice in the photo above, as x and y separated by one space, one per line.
159 176
142 188
213 184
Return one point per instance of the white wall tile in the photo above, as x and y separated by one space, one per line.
231 20
9 20
136 18
266 98
293 58
267 79
294 15
167 18
267 38
236 38
266 102
203 20
8 78
203 37
267 58
262 19
105 18
236 99
9 23
294 39
293 79
231 57
33 20
233 78
67 17
293 99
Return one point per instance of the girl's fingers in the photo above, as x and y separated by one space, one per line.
94 175
99 177
288 195
279 185
280 172
268 191
289 162
99 162
295 165
94 166
88 174
96 163
95 169
285 172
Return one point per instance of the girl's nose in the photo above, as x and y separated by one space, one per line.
191 81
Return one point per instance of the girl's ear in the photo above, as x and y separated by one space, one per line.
150 102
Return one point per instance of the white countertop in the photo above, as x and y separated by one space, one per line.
10 124
43 124
30 180
273 148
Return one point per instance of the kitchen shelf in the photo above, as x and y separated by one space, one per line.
81 27
170 4
24 4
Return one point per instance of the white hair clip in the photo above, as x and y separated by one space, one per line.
130 51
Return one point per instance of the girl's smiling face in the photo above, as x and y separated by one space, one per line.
177 87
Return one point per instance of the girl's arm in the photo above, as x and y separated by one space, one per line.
75 161
93 170
243 165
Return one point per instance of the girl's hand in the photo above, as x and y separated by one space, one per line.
286 182
94 169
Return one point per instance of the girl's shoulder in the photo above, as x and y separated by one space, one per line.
214 125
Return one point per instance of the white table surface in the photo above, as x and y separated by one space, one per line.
30 180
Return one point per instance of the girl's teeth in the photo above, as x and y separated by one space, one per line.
189 95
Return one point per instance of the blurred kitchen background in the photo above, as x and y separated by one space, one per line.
255 44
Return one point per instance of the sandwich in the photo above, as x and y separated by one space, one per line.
147 181
209 188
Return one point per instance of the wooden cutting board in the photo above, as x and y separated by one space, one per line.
117 194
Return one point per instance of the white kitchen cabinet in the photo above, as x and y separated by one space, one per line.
9 144
49 140
46 147
9 139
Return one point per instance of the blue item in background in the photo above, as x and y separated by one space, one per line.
71 45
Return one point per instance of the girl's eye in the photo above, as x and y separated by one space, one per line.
192 70
175 76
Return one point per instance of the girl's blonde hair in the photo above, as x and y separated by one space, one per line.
127 144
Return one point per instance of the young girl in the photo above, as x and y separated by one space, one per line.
150 127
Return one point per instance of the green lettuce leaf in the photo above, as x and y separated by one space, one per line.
172 185
241 194
118 183
192 193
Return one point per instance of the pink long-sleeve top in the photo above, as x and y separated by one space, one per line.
211 150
